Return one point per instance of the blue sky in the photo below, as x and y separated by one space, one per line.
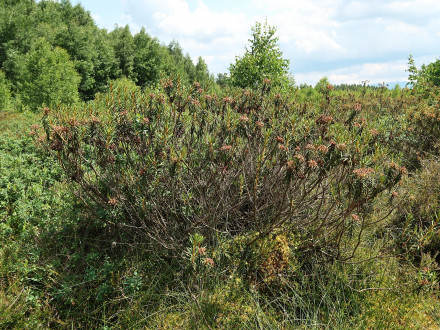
346 40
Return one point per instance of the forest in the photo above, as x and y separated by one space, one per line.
138 190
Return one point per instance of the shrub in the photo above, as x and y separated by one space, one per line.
49 77
161 165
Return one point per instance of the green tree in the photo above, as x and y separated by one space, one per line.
432 72
49 76
262 60
5 93
202 72
147 59
123 44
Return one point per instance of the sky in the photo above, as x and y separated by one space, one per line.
347 41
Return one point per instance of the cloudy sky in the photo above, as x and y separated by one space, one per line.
348 41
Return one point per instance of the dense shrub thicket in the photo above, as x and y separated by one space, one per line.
162 165
203 209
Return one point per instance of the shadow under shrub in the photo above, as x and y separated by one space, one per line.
160 165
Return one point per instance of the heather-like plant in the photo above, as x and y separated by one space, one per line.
161 165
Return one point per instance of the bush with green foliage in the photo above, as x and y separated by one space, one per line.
164 164
262 61
49 77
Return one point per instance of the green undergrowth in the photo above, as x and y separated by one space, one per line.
62 267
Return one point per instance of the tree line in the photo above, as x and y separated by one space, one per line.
53 52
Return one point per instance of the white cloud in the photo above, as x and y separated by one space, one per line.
317 35
375 73
217 36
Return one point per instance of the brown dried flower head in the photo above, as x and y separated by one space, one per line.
310 147
300 158
226 147
341 146
374 132
228 99
195 103
362 173
209 262
312 163
290 164
244 119
322 148
324 119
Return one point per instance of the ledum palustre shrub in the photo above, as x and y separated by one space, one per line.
157 166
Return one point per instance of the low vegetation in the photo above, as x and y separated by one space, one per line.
162 203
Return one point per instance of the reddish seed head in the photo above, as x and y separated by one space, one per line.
322 148
312 163
341 146
310 147
290 164
300 158
362 173
226 147
209 262
227 99
195 102
355 217
374 132
244 119
282 147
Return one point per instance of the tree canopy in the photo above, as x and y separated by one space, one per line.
263 59
97 57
